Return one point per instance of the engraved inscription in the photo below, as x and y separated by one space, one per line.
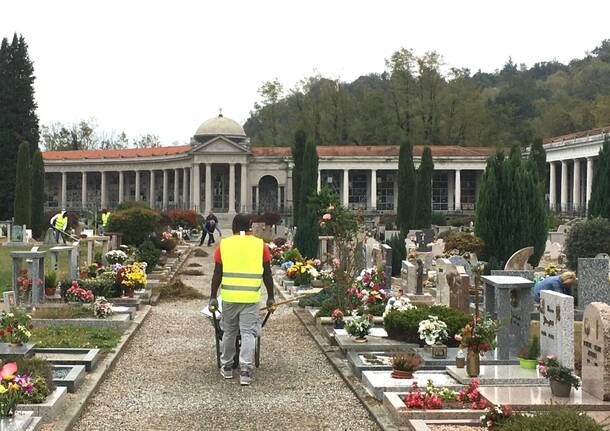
558 313
547 322
592 354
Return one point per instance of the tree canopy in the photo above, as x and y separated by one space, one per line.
599 205
432 104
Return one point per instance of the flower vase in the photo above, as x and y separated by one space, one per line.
397 374
473 364
361 339
129 292
340 324
560 389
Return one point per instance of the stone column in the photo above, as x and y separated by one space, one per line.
151 191
589 179
564 185
345 197
458 190
552 185
196 187
121 186
83 190
373 189
137 174
244 187
176 187
165 189
319 180
231 188
185 190
576 185
64 189
208 187
103 190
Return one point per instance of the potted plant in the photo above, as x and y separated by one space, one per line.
337 316
479 336
132 277
15 328
434 331
50 283
561 378
76 294
359 327
528 357
404 364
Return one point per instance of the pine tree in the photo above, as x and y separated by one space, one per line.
599 204
423 209
37 195
306 238
510 211
298 151
23 186
18 120
405 212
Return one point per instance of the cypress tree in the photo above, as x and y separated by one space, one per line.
405 212
423 210
23 186
306 238
298 151
537 160
599 204
18 120
37 195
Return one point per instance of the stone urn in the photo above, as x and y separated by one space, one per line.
560 389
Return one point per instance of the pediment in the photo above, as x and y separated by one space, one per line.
220 145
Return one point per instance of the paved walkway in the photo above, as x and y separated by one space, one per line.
167 379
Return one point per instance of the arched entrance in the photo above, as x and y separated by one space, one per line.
268 194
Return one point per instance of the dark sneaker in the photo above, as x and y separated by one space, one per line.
227 372
245 378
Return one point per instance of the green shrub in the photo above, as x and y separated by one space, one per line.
403 325
465 243
439 219
587 239
293 255
50 279
147 252
559 418
136 224
317 299
168 245
327 307
399 253
101 286
460 221
132 204
375 309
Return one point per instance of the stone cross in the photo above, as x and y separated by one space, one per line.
596 350
593 285
510 298
557 326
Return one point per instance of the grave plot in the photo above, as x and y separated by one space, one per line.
380 382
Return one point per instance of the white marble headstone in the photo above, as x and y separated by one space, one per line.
557 326
596 350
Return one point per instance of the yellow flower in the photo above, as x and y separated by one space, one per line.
8 377
13 386
2 389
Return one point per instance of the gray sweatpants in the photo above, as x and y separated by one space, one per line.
239 319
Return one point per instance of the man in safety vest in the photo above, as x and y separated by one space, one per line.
243 262
105 220
59 223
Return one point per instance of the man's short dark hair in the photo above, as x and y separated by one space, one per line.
241 222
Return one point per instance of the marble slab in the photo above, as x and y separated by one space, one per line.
374 344
375 332
378 382
541 398
70 376
10 352
498 375
69 356
22 421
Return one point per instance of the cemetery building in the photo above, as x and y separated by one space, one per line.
220 170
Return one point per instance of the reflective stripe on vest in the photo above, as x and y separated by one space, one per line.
105 218
242 268
61 222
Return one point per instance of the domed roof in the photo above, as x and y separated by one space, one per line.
220 126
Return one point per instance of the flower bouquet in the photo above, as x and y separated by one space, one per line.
102 308
24 283
561 378
12 388
479 336
401 303
15 328
369 287
359 327
116 256
77 294
471 395
434 331
337 316
495 415
132 277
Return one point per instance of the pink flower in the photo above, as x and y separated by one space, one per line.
458 337
327 217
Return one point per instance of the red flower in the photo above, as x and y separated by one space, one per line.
9 329
1 333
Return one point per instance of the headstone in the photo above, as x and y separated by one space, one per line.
376 256
410 246
428 235
461 261
596 350
528 273
17 233
510 299
459 289
438 248
72 251
35 265
519 259
326 246
386 252
558 237
593 285
557 326
408 277
553 249
443 267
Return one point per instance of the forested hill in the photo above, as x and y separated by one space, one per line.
414 96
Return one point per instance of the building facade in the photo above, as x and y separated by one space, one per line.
220 171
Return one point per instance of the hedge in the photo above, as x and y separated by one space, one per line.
587 239
136 224
465 243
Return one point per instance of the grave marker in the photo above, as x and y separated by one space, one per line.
443 267
596 350
557 326
459 289
593 285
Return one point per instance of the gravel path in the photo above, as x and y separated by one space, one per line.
167 379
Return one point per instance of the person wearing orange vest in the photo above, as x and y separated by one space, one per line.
242 264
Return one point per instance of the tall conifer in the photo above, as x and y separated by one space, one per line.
37 195
405 212
306 238
599 204
23 186
423 210
298 151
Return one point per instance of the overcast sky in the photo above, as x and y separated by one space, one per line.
163 67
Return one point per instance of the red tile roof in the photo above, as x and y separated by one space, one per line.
116 154
576 135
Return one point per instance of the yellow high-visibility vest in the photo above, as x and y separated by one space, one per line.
242 268
61 222
105 218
